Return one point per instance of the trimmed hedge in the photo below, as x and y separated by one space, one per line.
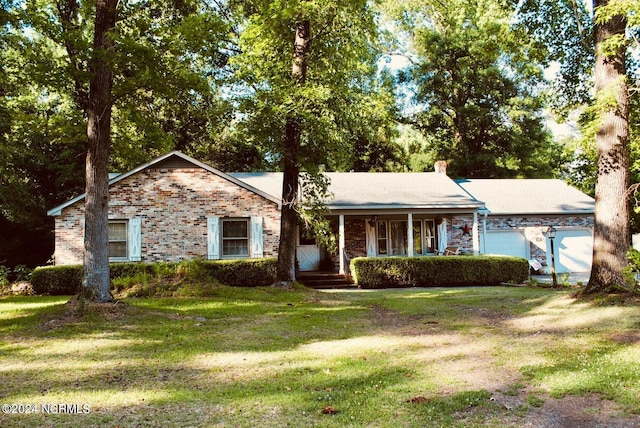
243 273
438 271
57 280
63 280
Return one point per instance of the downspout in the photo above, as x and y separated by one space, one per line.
341 245
484 232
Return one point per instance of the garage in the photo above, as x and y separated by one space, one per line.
506 242
573 250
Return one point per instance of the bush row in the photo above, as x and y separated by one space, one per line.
440 271
62 280
18 273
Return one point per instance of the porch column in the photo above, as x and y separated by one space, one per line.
341 242
410 234
476 237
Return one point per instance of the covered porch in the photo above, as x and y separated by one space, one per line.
389 233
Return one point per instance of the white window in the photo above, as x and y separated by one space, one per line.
125 240
398 238
391 237
118 240
382 238
424 237
418 248
235 238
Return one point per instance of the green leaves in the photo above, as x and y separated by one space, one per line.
476 86
340 69
629 9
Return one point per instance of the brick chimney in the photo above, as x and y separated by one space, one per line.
440 167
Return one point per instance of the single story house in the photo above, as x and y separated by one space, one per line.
176 208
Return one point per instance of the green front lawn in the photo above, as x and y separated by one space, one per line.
267 357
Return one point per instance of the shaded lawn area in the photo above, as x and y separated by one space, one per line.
458 357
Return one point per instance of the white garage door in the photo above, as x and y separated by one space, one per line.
506 242
573 250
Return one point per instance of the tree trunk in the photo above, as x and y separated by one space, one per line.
286 269
96 281
611 231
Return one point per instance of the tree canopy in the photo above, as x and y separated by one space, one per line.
478 88
162 64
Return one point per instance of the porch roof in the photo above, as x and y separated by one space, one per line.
379 191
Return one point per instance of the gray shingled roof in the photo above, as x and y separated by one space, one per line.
528 196
114 178
384 190
424 190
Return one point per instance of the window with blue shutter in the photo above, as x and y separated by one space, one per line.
213 238
257 246
135 239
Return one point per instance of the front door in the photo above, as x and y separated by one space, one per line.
308 252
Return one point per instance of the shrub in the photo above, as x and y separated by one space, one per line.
60 280
4 276
633 256
22 272
57 280
632 271
438 271
243 273
126 270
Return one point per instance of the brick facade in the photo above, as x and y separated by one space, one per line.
456 232
355 237
174 205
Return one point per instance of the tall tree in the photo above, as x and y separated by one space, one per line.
562 32
306 67
568 31
286 269
96 280
611 231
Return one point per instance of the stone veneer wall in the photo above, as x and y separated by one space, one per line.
174 205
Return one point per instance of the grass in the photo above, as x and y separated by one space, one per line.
269 357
